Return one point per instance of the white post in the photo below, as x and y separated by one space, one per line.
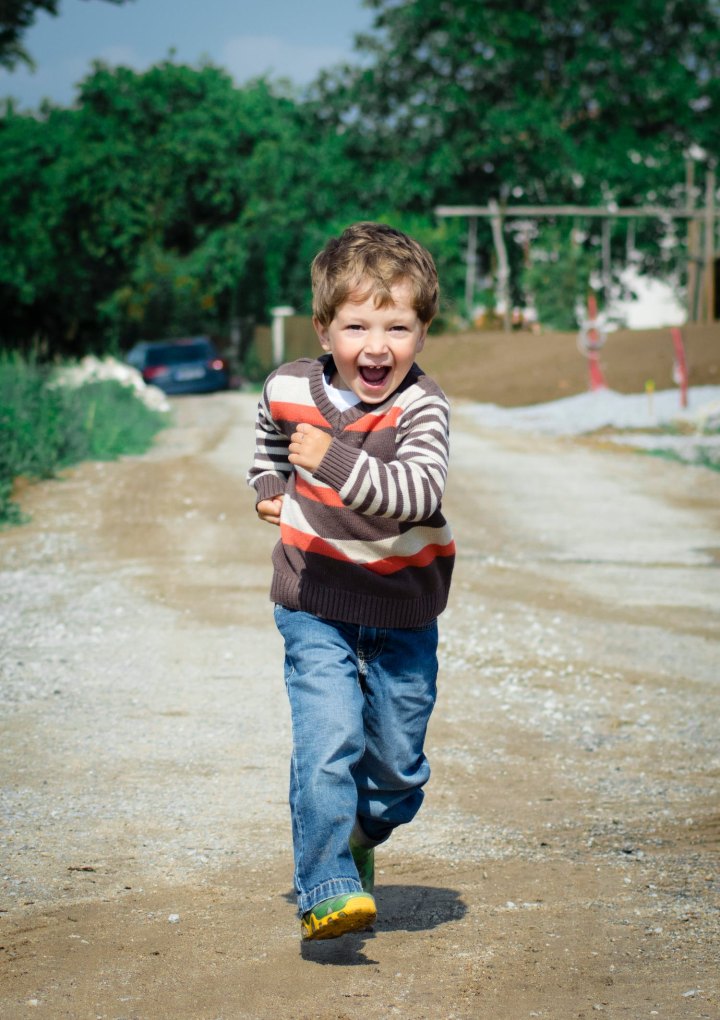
277 333
496 222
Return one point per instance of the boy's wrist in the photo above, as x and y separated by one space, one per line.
337 464
268 487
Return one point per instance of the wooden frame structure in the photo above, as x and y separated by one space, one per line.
701 268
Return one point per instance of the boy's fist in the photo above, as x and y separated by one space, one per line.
269 509
308 446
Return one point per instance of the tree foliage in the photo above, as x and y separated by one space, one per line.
172 201
558 278
165 194
557 99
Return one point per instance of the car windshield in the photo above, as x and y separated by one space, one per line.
177 354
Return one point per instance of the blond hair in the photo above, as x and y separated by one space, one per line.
370 259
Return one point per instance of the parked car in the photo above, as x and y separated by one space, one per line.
188 365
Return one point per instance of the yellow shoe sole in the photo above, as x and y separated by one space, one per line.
356 914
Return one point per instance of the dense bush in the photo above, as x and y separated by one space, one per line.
558 279
45 427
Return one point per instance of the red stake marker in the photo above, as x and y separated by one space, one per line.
594 343
680 372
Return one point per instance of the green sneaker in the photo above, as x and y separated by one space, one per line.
364 857
338 916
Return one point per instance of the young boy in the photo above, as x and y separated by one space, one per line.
351 462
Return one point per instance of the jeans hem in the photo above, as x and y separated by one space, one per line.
335 887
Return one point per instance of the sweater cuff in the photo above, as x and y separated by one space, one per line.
268 487
336 466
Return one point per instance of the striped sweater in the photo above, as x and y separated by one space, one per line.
363 539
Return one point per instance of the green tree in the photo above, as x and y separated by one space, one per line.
16 17
550 99
165 201
558 278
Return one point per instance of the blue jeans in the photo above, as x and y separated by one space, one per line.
360 701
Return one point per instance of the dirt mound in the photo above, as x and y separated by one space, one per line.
517 369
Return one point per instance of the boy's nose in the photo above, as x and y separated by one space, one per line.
376 342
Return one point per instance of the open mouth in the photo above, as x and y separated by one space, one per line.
373 375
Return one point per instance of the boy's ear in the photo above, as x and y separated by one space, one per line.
421 339
322 332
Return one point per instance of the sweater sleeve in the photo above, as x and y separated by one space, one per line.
270 469
408 488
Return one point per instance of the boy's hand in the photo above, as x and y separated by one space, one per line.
308 446
268 510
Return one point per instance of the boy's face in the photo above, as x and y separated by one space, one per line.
373 348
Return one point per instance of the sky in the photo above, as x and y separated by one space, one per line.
282 38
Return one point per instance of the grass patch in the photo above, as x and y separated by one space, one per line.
701 448
46 427
701 457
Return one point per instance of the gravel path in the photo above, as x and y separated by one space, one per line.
565 862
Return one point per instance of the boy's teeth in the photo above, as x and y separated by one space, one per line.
373 375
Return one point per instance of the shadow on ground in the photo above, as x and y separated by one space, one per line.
409 908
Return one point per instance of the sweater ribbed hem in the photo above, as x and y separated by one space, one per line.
336 466
268 487
358 608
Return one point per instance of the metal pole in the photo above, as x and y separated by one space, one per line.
531 211
606 261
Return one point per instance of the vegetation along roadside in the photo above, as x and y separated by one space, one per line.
46 426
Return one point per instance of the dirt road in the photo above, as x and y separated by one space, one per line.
565 862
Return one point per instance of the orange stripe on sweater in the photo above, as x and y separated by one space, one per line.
321 494
310 543
423 558
285 411
390 565
371 422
